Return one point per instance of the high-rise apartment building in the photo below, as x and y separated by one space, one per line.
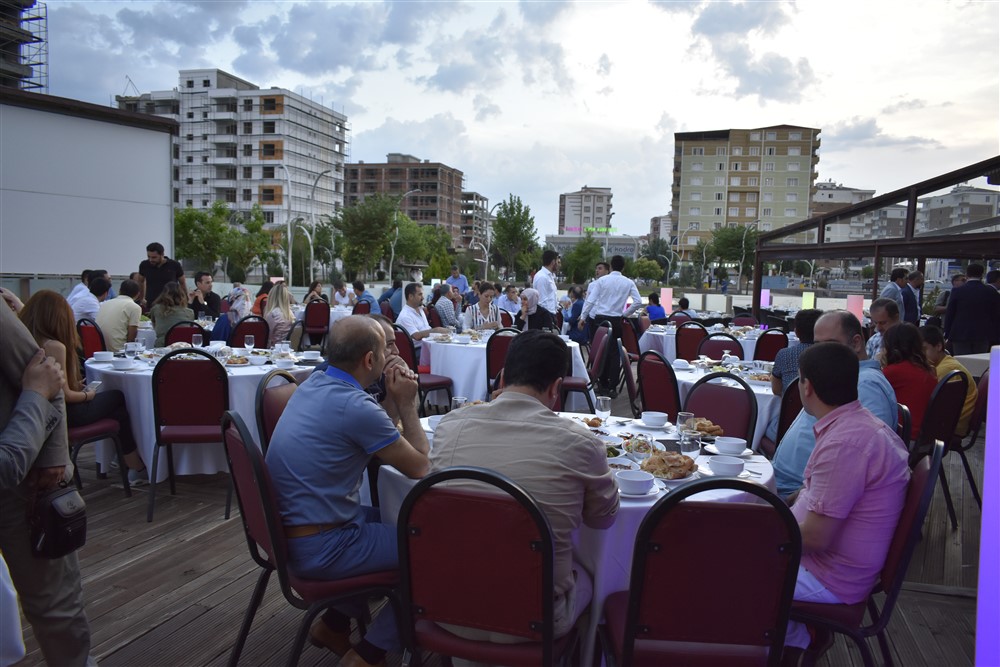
24 45
736 177
964 209
439 201
475 219
586 210
660 227
829 197
245 145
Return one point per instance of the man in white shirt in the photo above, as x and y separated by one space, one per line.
80 288
413 319
88 304
341 297
606 300
118 318
545 281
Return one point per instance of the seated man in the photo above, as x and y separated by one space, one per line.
413 319
361 295
684 308
510 301
855 486
397 285
204 302
118 318
874 392
80 288
559 462
884 314
341 297
88 304
449 308
325 438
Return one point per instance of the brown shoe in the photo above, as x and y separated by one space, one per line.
321 636
352 659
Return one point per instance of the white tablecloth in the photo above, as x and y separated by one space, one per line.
466 366
607 553
976 364
767 403
664 342
137 385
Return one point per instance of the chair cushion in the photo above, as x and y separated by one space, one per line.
312 590
100 428
424 370
431 381
432 637
848 615
210 433
690 654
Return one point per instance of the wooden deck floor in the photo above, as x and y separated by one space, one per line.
173 592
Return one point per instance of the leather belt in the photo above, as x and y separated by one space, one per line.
292 532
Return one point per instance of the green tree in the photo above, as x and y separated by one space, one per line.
868 272
578 263
737 246
704 253
514 235
366 229
412 243
245 245
657 250
327 248
646 268
200 234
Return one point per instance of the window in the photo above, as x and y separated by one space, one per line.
189 203
794 150
190 84
247 172
755 136
795 136
268 127
751 196
696 180
755 150
766 212
204 114
190 137
734 211
204 158
205 83
720 166
765 227
737 150
190 114
695 196
721 150
177 174
768 166
177 152
734 196
190 181
736 166
268 217
718 210
269 103
751 211
204 137
754 166
794 183
177 196
791 196
697 151
247 127
735 180
697 166
267 195
716 225
248 104
586 209
204 181
793 166
598 209
189 158
267 172
694 210
767 196
719 196
769 150
771 136
247 150
586 218
768 182
268 150
694 226
720 180
752 180
789 212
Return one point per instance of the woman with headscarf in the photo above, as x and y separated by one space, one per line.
240 305
531 316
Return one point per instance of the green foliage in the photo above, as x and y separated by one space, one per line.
801 267
704 253
514 236
647 269
412 243
327 250
438 267
657 250
200 234
366 227
867 272
930 300
733 244
438 244
242 248
578 263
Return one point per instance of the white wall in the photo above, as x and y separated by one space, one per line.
77 193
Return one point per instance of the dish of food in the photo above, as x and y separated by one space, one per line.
638 445
707 427
592 422
669 465
622 463
237 361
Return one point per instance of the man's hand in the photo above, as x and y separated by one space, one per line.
401 387
580 324
42 375
44 479
397 362
15 303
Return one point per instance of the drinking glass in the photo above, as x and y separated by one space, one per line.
196 340
690 443
248 342
603 407
458 402
684 419
130 350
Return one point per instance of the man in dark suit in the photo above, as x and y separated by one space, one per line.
972 322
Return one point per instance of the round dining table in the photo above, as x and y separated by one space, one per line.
664 341
605 553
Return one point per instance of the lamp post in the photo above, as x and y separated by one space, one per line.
395 219
670 264
312 221
635 241
300 221
288 221
680 242
743 255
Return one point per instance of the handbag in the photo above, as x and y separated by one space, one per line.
58 522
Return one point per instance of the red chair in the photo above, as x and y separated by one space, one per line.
271 401
506 319
269 549
791 406
732 408
768 345
745 321
496 355
428 381
600 348
509 590
189 399
316 322
386 310
251 325
905 424
361 308
849 619
631 340
687 339
434 317
678 318
644 323
976 420
669 618
716 345
91 337
558 318
183 331
628 379
102 429
658 389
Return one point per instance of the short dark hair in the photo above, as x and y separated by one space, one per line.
358 285
155 247
484 286
129 288
957 276
832 370
975 270
932 335
607 267
454 267
201 274
683 303
888 305
397 283
411 289
337 284
99 286
348 344
549 256
805 322
313 285
654 298
535 359
576 291
992 276
914 275
903 342
617 263
897 274
85 275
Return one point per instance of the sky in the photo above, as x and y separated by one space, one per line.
541 98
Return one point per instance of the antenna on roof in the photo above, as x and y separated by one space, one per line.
129 82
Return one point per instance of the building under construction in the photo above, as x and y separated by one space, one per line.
24 45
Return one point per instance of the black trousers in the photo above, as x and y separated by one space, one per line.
106 404
612 363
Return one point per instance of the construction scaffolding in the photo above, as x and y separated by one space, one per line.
24 45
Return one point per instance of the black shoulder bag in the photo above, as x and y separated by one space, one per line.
58 522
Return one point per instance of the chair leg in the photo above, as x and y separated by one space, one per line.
241 638
972 480
152 482
229 496
303 632
947 498
170 469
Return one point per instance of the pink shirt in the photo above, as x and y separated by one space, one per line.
858 472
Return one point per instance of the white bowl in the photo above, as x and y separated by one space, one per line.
730 446
681 364
311 355
257 360
725 466
104 356
634 482
123 364
462 339
432 422
285 364
656 419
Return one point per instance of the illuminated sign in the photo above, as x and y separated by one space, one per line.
601 230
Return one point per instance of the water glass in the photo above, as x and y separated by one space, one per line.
131 349
458 402
690 443
685 420
603 407
196 340
248 343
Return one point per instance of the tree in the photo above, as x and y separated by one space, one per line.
659 251
412 243
327 248
704 253
242 248
578 263
647 269
736 245
514 234
366 229
200 234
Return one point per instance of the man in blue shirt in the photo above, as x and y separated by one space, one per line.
323 442
458 280
364 296
397 286
874 392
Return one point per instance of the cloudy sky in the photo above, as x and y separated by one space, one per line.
540 98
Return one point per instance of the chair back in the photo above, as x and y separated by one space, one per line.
558 319
91 337
978 415
942 414
361 308
745 321
644 324
678 318
630 339
251 325
905 424
688 337
791 406
776 322
732 408
630 385
715 345
296 335
183 331
658 389
407 352
496 354
189 392
510 588
434 317
506 319
768 345
666 607
386 310
600 348
271 401
316 319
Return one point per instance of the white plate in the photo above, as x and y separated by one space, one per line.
712 449
622 460
674 482
705 471
666 427
129 368
657 488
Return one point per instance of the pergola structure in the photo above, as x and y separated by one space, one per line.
975 236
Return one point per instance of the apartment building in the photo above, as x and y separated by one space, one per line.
736 177
660 227
586 210
964 209
24 45
245 145
829 197
438 202
476 220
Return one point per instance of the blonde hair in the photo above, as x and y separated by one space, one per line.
279 298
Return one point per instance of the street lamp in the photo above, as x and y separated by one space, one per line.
395 218
670 263
300 221
288 221
635 241
312 221
743 255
